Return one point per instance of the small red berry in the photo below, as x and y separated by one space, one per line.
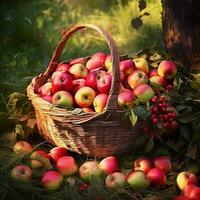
169 88
174 125
173 115
153 116
154 109
166 125
162 98
154 99
154 121
163 109
84 186
161 117
160 105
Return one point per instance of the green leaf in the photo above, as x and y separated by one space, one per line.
141 140
185 132
149 145
133 118
186 118
192 151
141 112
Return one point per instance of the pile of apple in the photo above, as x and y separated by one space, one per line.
85 82
59 165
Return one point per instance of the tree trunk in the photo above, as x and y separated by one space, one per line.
181 27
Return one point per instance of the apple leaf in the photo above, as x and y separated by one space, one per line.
133 118
136 22
192 151
149 145
141 112
142 5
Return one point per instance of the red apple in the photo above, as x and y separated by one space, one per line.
77 84
79 71
114 180
78 60
22 147
127 66
109 164
136 78
55 74
144 93
192 192
122 76
153 72
84 97
157 177
51 180
141 64
126 99
162 162
108 63
158 81
58 152
167 69
91 79
45 90
104 83
21 173
99 56
66 165
94 64
100 102
63 99
48 98
121 88
180 197
89 170
62 82
138 180
143 164
185 178
87 110
63 67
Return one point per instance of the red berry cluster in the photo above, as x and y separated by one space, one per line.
162 114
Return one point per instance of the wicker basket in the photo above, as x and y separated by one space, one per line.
93 134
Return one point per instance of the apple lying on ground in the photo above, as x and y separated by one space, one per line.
141 64
90 170
126 99
158 81
162 162
185 178
104 83
143 164
100 102
66 165
63 99
51 180
167 69
21 173
138 180
109 164
78 71
84 97
157 177
58 152
114 180
144 93
136 78
192 192
63 67
22 147
127 66
63 81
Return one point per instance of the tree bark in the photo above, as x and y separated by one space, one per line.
181 28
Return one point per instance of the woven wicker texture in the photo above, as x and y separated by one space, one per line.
93 134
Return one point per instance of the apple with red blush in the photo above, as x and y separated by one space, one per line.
141 64
104 83
127 66
153 72
192 192
63 67
77 84
80 60
100 102
115 180
58 152
126 99
45 90
162 162
79 71
22 147
143 164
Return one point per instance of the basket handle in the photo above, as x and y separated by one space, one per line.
114 90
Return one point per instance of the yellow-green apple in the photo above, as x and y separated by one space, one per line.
158 81
108 63
55 74
192 192
66 165
115 180
58 152
63 67
87 110
91 79
104 83
78 71
180 197
167 69
51 180
84 97
137 180
62 82
100 102
109 164
153 72
99 56
162 162
78 60
127 66
185 178
141 64
90 170
136 78
144 93
48 98
94 64
77 84
21 173
143 164
40 158
22 147
157 177
45 90
126 99
63 99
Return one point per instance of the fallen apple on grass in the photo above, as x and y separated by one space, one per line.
143 164
141 64
162 162
21 147
58 152
192 192
115 180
